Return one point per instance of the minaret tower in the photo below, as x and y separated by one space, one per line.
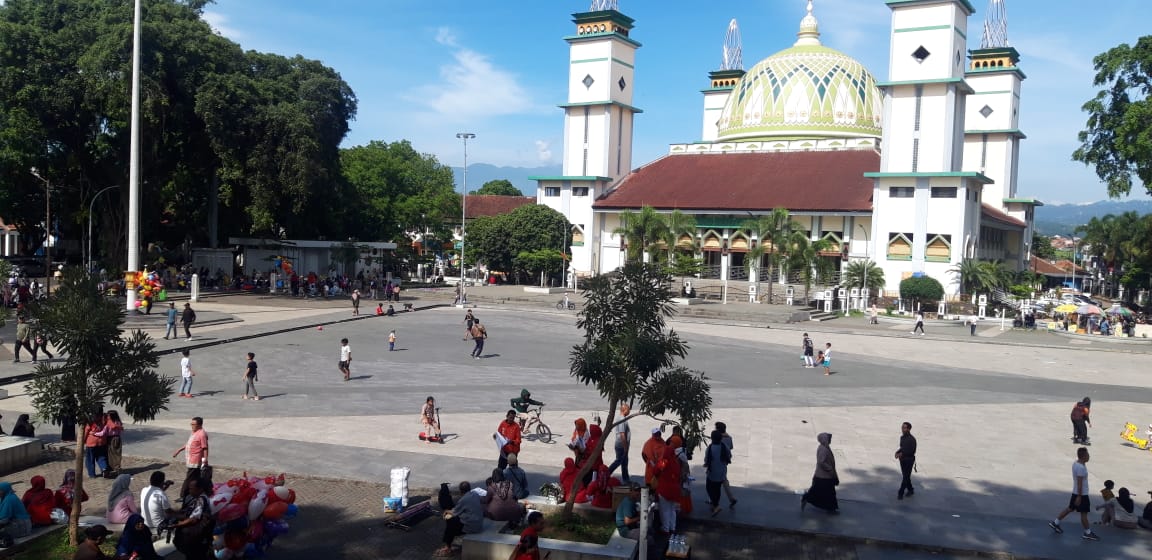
991 124
926 208
722 81
598 120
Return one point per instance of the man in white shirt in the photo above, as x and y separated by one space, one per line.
345 358
186 375
154 503
1079 502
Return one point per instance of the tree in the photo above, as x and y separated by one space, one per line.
398 189
865 274
1042 247
678 225
974 276
103 365
641 231
920 289
684 264
499 241
773 230
1116 141
540 261
499 187
630 356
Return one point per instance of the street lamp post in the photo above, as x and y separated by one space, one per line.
134 162
90 206
465 136
47 231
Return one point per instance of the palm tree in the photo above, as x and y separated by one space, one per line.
972 275
642 231
864 274
774 229
804 255
677 225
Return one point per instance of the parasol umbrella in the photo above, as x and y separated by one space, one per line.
1089 309
1065 308
1122 311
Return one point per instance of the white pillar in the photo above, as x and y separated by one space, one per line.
194 288
724 266
134 162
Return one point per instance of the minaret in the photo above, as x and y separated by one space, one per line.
598 120
926 208
722 81
991 124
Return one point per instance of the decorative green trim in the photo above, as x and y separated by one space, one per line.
568 178
1009 131
583 60
996 52
998 70
899 258
577 243
622 63
959 174
611 15
1031 201
936 259
960 33
964 3
926 28
592 103
720 74
716 89
607 34
993 92
963 85
713 109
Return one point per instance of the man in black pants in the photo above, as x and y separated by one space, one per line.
479 333
907 457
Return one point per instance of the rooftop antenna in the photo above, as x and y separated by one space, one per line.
995 26
602 5
733 50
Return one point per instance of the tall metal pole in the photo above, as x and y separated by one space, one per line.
134 163
465 136
90 206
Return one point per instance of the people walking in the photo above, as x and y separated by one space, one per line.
1079 502
186 375
355 302
716 460
507 438
727 441
251 377
1081 421
392 341
479 333
906 454
919 323
195 450
187 318
115 443
822 494
39 342
23 339
95 445
621 444
826 359
469 320
170 325
807 348
345 363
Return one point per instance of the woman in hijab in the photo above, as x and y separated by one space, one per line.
136 538
822 494
39 501
67 493
669 487
568 476
24 427
500 502
121 502
1125 516
115 428
14 519
579 443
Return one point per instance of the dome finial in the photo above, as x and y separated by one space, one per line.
809 29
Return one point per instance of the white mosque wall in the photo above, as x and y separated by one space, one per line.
923 26
713 106
997 153
611 255
1001 93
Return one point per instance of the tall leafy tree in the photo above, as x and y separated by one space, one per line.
804 256
499 187
865 273
677 225
920 289
514 242
1117 141
773 230
398 189
103 366
630 355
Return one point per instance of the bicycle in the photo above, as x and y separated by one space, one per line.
562 304
543 432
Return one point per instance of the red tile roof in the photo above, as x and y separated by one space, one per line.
1058 268
798 181
477 205
996 215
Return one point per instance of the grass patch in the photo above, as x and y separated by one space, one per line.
578 529
55 546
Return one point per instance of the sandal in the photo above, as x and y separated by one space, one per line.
443 553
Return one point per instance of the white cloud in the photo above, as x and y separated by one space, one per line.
219 24
1056 49
851 25
544 151
472 86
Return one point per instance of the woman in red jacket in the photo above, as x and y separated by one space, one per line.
39 501
668 488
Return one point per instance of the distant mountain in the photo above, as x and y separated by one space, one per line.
1062 219
480 173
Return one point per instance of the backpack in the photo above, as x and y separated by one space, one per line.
1078 411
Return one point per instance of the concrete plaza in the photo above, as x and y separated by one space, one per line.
990 413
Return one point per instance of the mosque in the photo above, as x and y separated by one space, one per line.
914 173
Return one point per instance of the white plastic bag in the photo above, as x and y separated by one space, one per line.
400 484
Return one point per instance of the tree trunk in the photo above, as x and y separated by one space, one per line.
78 490
598 450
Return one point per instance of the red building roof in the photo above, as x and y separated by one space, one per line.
1058 268
799 181
477 205
996 215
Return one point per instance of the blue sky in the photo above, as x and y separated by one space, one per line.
426 69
